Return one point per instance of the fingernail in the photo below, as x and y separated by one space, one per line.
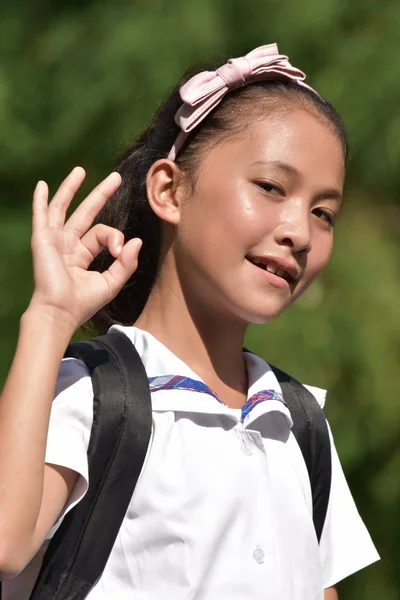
118 249
78 169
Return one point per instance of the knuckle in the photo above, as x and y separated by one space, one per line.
66 186
106 230
90 212
59 203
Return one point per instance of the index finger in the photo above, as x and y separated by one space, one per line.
82 218
40 206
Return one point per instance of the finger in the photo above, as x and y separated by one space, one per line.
63 197
123 267
40 206
83 217
101 236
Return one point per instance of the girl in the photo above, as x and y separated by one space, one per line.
233 191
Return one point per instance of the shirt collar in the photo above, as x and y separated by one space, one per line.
264 392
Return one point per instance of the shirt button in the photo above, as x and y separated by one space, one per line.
259 555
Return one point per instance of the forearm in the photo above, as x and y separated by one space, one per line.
25 405
331 594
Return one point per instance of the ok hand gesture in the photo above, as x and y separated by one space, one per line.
63 250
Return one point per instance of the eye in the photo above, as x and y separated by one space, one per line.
270 188
325 215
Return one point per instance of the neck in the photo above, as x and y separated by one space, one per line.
210 345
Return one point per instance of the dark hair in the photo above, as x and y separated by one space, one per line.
129 211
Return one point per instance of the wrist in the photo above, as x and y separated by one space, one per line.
47 321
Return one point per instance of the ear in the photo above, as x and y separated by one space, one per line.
164 190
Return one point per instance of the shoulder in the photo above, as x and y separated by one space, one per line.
346 545
70 427
74 385
72 408
70 373
318 393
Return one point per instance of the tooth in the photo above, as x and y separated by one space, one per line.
280 273
271 269
258 263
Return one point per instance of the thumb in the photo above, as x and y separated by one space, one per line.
123 266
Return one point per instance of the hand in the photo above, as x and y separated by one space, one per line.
62 252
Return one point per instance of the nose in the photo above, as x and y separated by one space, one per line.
294 230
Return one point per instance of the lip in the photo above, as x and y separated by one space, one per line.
290 268
271 278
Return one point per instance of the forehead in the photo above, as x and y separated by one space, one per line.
294 137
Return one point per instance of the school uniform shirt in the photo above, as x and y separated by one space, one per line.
222 509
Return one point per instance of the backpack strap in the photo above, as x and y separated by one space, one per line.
122 422
311 432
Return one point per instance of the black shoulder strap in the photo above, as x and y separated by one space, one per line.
311 432
79 550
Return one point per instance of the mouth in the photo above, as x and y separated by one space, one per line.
288 274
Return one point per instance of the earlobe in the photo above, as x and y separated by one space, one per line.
163 184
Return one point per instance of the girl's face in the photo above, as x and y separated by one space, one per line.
258 227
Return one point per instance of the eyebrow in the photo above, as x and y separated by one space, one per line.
277 164
329 194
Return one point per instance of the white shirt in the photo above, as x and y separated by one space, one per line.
222 509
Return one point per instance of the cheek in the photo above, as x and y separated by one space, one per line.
320 254
220 219
239 216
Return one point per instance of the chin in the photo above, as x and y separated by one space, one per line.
263 319
263 316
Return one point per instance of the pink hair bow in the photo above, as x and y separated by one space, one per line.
204 91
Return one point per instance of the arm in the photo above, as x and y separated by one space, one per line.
331 594
66 294
25 406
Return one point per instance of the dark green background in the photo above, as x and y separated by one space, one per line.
79 79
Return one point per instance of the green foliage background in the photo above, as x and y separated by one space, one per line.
79 79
